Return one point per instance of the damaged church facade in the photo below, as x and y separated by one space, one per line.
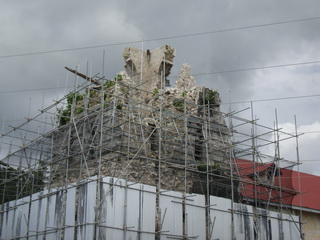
140 122
132 158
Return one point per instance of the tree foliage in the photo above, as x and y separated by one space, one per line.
18 183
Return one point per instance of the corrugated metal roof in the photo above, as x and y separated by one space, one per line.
274 184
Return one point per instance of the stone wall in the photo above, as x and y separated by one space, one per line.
311 225
125 127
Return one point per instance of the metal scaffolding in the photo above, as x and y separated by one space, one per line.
109 128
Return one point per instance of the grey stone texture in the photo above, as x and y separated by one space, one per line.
136 128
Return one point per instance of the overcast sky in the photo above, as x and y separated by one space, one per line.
215 37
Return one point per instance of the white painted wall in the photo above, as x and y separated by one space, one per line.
116 209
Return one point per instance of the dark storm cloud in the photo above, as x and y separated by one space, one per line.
38 26
230 50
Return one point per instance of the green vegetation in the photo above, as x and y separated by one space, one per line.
118 77
19 184
178 103
155 91
109 83
78 110
75 101
210 98
183 94
73 97
92 93
63 115
212 168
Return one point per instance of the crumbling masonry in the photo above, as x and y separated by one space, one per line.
132 158
133 127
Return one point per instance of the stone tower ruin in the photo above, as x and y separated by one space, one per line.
134 127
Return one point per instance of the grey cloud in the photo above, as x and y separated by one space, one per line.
41 26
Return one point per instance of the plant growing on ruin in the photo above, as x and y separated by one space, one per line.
118 77
73 100
210 98
74 97
78 110
63 116
109 83
155 91
92 93
178 103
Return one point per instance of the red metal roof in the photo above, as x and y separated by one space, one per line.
310 190
273 184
